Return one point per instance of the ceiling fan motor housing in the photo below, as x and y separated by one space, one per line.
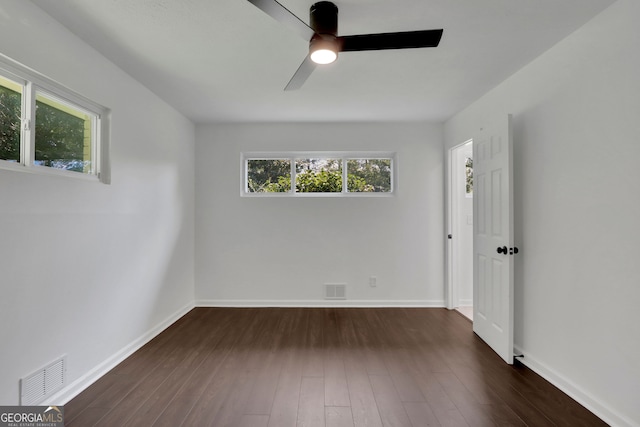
324 18
324 22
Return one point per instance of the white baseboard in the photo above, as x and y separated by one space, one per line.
318 303
584 398
79 385
465 303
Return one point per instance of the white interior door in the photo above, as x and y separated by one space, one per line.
493 236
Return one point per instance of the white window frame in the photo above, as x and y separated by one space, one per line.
344 156
33 82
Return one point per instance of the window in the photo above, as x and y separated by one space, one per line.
319 175
46 128
268 175
366 175
468 170
10 119
324 174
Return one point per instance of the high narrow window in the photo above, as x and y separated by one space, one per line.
44 127
317 173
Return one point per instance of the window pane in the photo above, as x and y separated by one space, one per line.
318 175
468 166
63 136
10 111
268 175
369 175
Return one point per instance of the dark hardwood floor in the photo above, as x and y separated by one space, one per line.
279 367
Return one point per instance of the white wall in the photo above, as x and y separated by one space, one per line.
577 202
88 269
282 250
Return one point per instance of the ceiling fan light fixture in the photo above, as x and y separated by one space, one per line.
323 50
323 56
324 43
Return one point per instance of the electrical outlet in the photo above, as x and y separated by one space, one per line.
373 281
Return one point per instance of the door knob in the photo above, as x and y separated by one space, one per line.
502 250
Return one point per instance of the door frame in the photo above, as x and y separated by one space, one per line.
452 290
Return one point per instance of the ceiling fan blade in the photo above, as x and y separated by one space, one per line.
402 40
284 16
302 73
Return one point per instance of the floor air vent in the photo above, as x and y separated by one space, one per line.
36 387
335 291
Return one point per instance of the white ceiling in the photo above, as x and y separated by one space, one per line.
226 60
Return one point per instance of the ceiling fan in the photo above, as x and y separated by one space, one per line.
324 43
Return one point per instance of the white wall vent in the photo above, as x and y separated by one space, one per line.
44 382
335 291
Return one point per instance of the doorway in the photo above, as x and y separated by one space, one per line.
461 229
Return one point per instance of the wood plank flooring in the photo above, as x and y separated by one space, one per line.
307 367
